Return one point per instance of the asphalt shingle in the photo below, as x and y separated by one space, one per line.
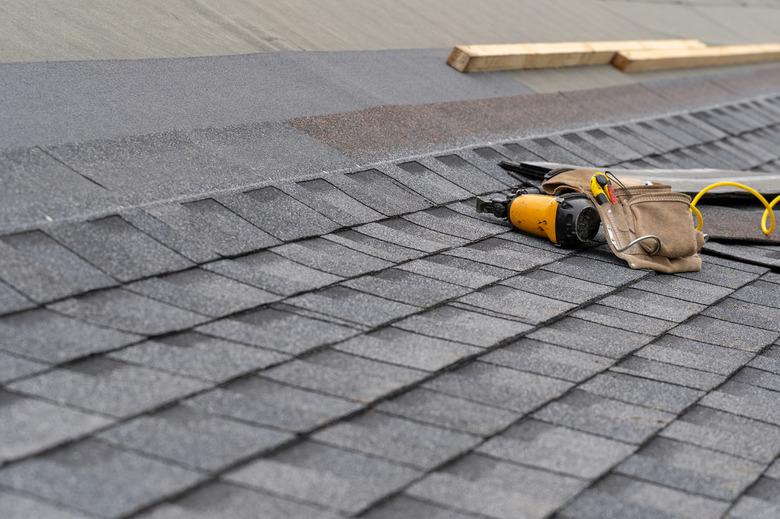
332 202
203 292
445 220
759 292
743 312
374 246
17 506
595 271
396 439
497 386
380 192
344 375
661 371
332 477
590 337
548 359
546 283
50 337
406 287
690 468
683 288
123 310
619 496
193 439
694 354
407 234
769 360
98 479
200 356
119 249
12 301
405 506
29 425
496 489
745 400
426 182
460 325
277 329
272 272
616 318
557 449
527 307
352 305
641 391
13 367
268 403
44 270
408 349
330 257
108 386
722 333
459 271
652 305
505 254
604 416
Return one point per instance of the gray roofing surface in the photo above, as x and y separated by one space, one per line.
359 342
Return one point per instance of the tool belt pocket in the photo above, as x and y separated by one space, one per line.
662 213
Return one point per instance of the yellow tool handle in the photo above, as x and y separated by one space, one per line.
768 206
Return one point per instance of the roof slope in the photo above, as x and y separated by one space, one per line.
360 342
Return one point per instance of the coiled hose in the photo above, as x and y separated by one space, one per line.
768 216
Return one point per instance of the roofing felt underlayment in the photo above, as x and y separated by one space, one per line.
305 317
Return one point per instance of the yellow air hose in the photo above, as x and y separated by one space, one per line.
768 206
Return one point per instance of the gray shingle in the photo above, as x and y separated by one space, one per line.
693 469
277 329
604 416
423 405
51 337
630 138
654 370
332 477
16 506
727 433
200 356
407 234
557 449
345 375
722 333
757 377
278 214
398 440
408 349
13 367
547 359
224 500
746 313
527 307
331 257
617 318
44 270
419 178
129 312
445 220
693 354
619 496
404 506
352 305
12 301
116 247
332 202
759 292
551 151
98 479
193 439
505 254
459 271
590 337
546 283
211 225
272 272
753 508
108 386
581 147
769 360
766 489
649 393
373 246
594 271
683 288
203 292
406 287
498 386
458 324
28 425
745 400
720 275
652 305
465 174
496 489
268 403
604 141
378 191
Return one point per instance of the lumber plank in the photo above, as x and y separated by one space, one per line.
516 56
664 59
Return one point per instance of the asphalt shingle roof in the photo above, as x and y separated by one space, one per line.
364 343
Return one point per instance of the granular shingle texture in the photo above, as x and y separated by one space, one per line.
355 340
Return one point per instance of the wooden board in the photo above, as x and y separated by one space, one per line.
515 56
647 60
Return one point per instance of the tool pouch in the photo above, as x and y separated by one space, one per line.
641 210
